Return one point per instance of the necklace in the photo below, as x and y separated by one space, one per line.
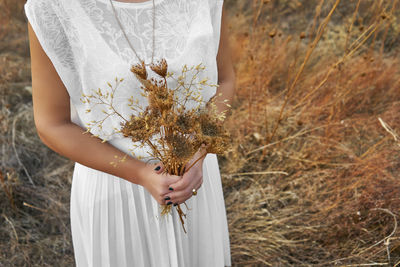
126 37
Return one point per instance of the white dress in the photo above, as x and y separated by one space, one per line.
114 222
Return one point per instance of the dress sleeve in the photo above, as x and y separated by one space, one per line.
46 22
216 15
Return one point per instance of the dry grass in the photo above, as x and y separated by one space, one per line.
313 177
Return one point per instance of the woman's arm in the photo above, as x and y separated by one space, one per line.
51 108
226 73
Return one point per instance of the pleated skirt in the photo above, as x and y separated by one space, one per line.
115 223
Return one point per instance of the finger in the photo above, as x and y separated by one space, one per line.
179 197
182 183
171 179
166 180
159 167
198 185
186 197
188 178
183 195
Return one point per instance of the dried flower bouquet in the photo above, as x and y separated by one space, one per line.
174 131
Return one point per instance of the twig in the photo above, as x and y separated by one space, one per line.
15 149
288 138
385 240
390 130
313 45
12 226
7 191
374 27
351 25
31 206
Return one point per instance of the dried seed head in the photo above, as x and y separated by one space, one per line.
140 128
182 148
185 123
140 70
219 144
208 125
161 68
160 98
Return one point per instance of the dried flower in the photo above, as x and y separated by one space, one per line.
140 70
182 147
161 68
185 123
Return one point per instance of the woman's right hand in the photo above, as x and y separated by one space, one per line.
156 182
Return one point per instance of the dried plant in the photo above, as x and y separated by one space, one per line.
173 130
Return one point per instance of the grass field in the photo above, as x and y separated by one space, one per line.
313 175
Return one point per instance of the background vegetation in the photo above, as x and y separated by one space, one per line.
313 176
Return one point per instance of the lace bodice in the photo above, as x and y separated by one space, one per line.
87 48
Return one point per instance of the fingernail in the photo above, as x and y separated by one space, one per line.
157 168
171 189
167 198
169 203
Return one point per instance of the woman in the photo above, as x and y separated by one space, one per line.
77 46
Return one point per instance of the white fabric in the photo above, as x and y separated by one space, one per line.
114 222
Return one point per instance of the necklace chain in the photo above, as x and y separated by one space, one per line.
126 37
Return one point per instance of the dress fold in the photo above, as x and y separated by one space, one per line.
116 223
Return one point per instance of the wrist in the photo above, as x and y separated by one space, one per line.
136 171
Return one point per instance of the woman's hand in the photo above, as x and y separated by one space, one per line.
157 182
182 189
191 179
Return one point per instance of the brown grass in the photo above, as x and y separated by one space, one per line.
313 176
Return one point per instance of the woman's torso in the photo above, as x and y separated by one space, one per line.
93 50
